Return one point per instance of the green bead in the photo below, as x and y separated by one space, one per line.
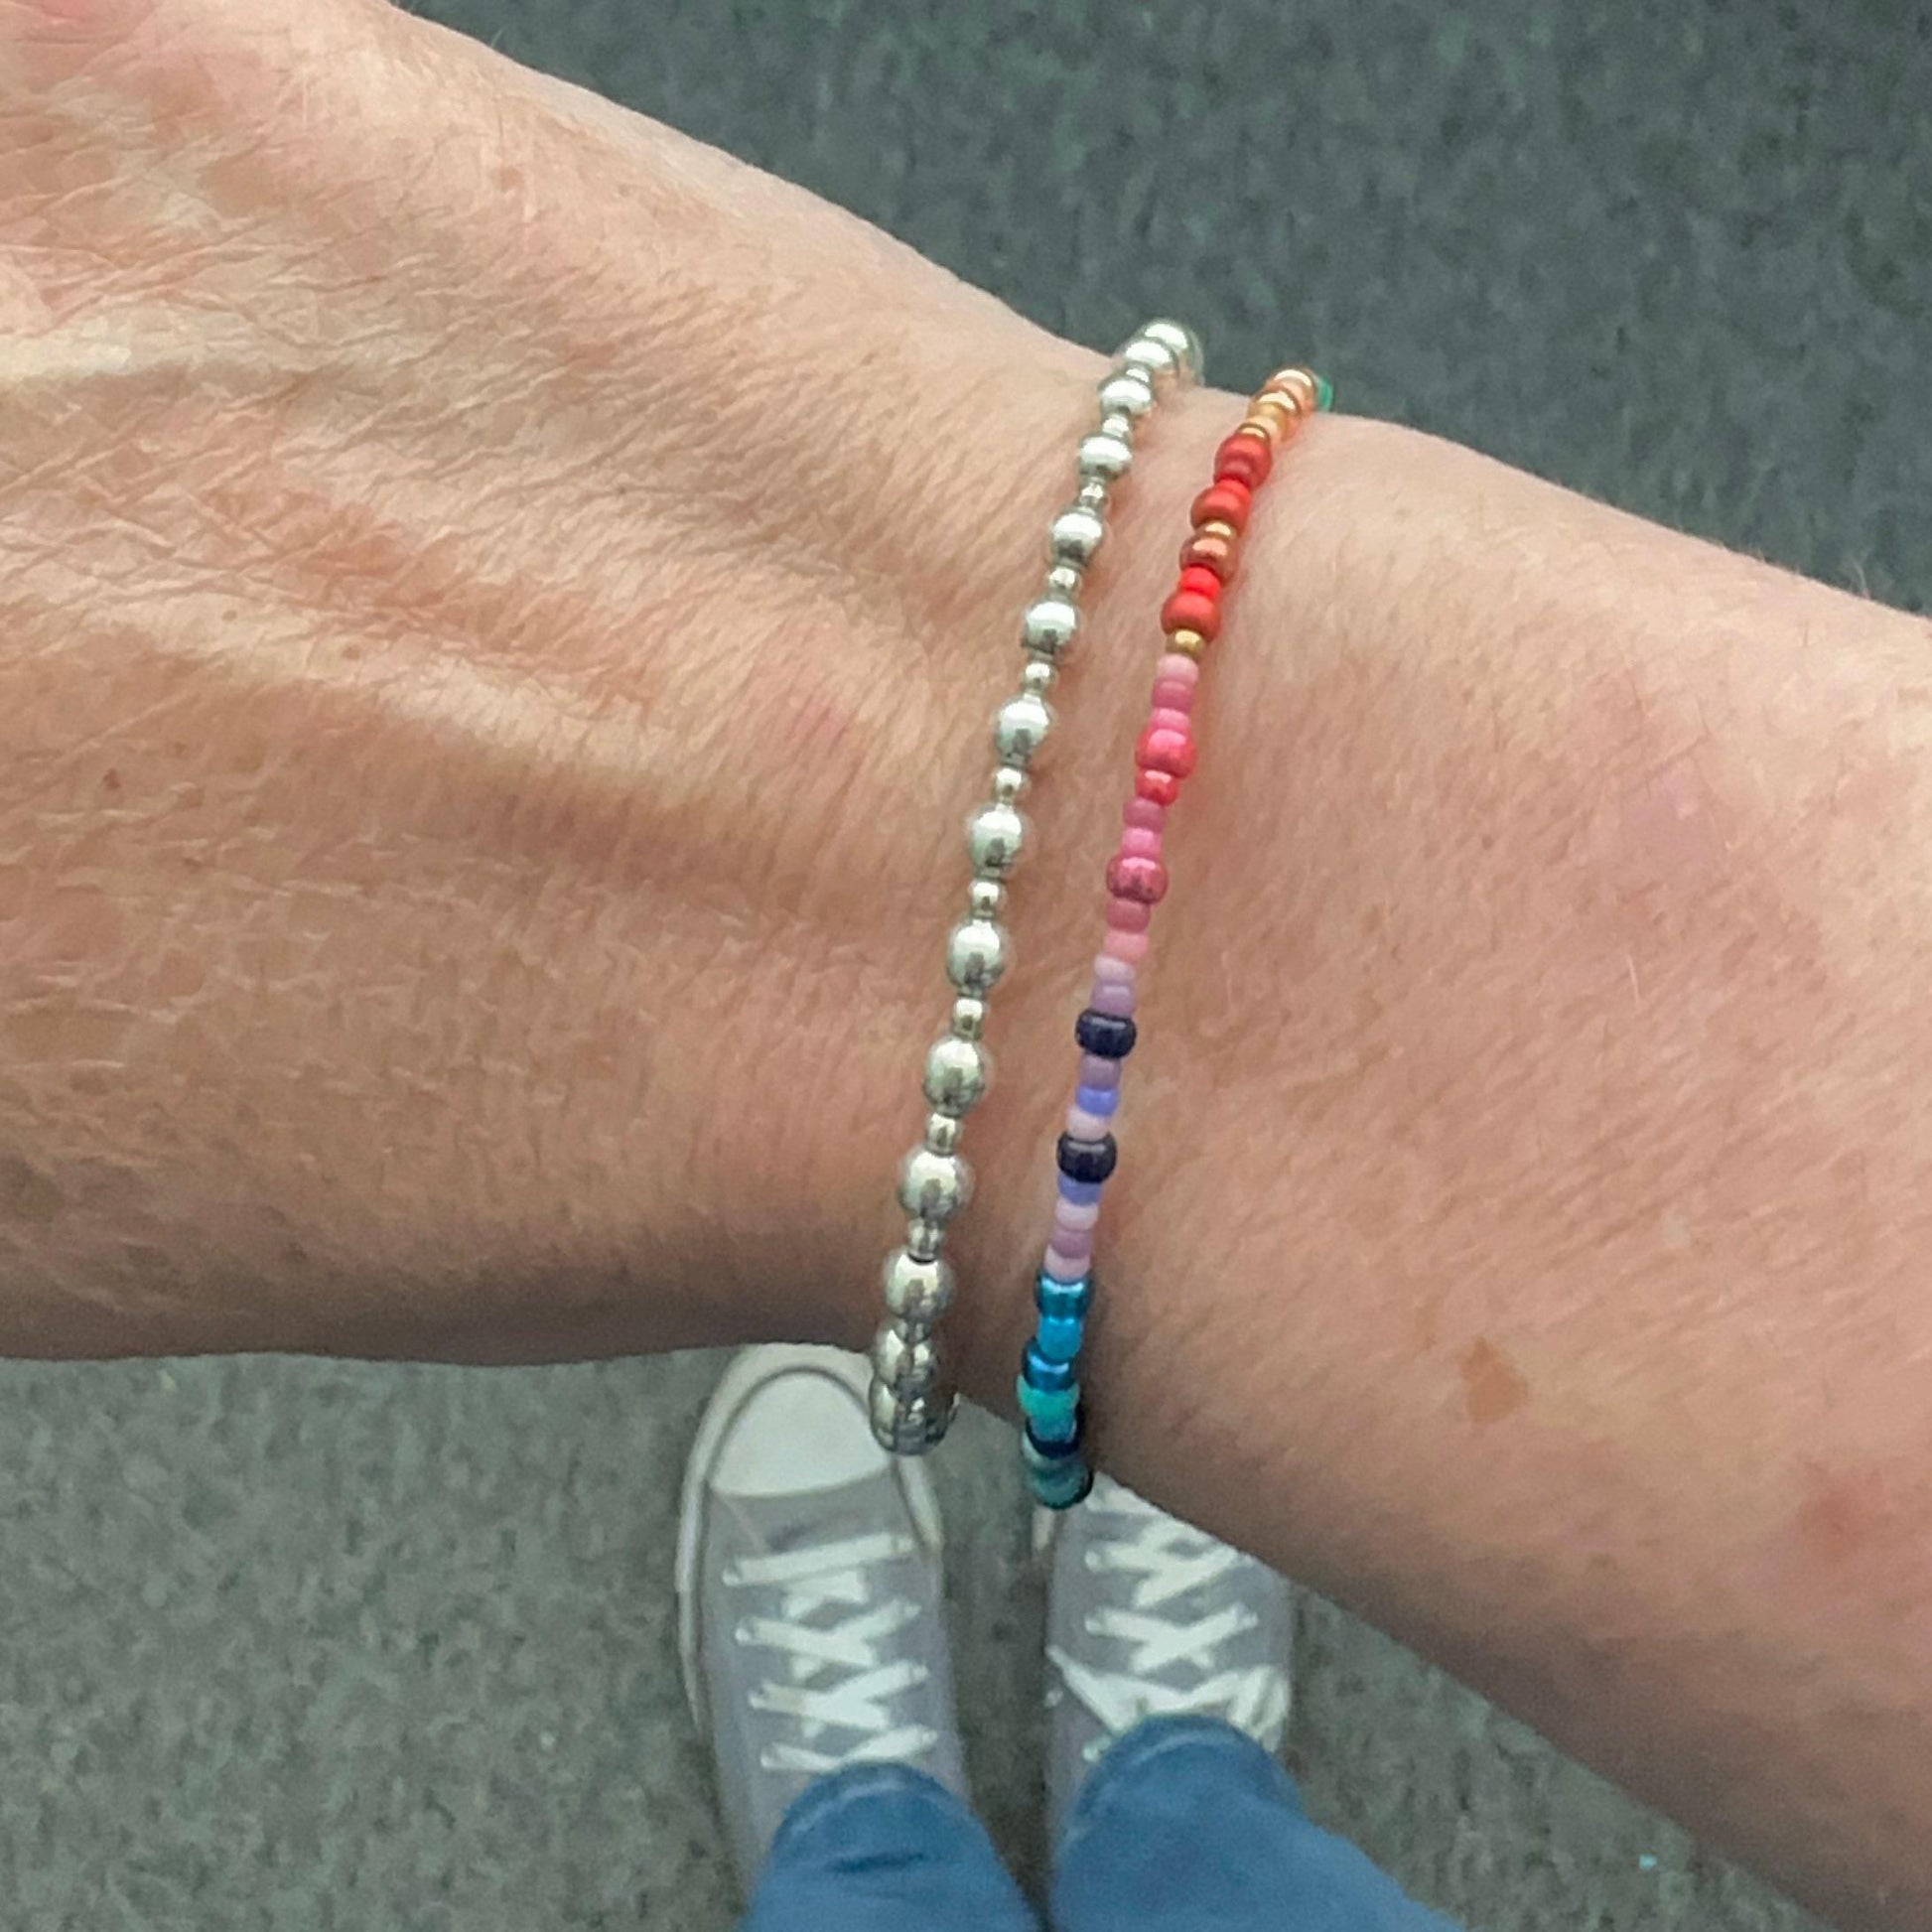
1325 393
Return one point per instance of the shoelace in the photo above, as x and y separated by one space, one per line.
837 1679
1169 1561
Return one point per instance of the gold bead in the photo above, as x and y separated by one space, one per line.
1216 528
1256 426
1278 411
1189 643
1298 383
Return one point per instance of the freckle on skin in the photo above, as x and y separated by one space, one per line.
1493 1385
1834 1520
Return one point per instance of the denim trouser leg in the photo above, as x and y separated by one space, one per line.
1187 1826
884 1849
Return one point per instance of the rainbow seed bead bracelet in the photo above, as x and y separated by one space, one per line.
1057 1468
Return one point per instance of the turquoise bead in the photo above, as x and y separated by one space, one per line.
1065 1486
1068 1301
1053 1413
1059 1337
1325 393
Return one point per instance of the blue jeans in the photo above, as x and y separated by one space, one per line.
1186 1826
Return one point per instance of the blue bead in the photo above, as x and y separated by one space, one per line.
1054 1415
1082 1194
1043 1372
1064 1301
1106 1035
1063 1489
1097 1100
1059 1337
1038 1448
1087 1160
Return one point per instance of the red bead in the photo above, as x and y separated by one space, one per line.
1157 788
1243 459
1197 577
1192 611
1205 552
1163 749
1225 503
1134 877
1125 914
1143 814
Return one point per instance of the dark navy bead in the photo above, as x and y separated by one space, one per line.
1043 1372
1064 1301
1105 1033
1091 1161
1051 1452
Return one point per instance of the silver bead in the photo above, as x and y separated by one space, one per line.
1181 342
1155 359
908 1364
1076 535
1104 457
1049 626
1038 676
1063 580
1094 493
976 955
1120 428
1021 728
994 834
942 1132
910 1425
1127 393
969 1018
986 898
934 1186
1009 785
956 1075
918 1289
924 1239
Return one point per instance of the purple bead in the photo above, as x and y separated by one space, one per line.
1098 1072
1075 1243
1058 1267
1113 996
1079 1192
1096 1100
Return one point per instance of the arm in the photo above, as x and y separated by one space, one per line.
498 607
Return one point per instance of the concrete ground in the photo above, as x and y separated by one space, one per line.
301 1645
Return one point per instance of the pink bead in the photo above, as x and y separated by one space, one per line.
1158 720
1171 695
1143 814
1116 997
1058 1267
1076 1217
1098 1072
1107 968
1132 946
1138 843
1131 877
1077 1244
1128 915
1178 667
1084 1126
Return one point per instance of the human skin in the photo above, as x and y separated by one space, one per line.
500 608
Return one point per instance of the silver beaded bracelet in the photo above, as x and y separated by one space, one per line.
910 1406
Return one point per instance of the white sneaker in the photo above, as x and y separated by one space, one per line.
1146 1618
810 1605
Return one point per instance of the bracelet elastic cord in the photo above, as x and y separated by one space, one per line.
910 1406
1057 1468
